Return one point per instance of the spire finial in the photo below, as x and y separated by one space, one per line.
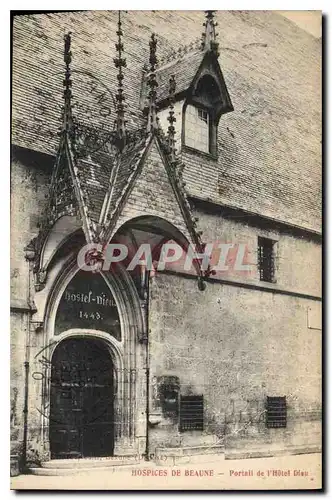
120 62
209 37
153 84
67 83
171 118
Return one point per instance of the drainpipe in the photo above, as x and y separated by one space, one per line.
147 451
25 414
146 294
29 256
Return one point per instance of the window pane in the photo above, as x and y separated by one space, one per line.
203 115
197 128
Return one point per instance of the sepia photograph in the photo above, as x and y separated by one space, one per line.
166 250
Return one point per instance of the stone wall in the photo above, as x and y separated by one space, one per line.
236 346
30 176
19 326
29 182
297 259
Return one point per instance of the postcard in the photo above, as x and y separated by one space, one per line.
166 184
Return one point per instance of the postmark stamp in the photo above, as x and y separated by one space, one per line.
93 113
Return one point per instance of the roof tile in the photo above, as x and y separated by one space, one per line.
269 147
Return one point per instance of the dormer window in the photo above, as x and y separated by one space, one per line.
199 100
202 114
197 125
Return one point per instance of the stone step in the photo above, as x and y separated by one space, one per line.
88 463
74 466
74 471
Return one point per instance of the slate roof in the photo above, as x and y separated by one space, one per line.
269 146
94 179
127 165
183 68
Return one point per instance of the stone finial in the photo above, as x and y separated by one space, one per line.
152 84
171 118
209 43
180 52
120 63
67 83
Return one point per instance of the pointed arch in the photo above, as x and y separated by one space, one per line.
58 236
152 224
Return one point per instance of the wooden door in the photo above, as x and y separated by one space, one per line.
82 394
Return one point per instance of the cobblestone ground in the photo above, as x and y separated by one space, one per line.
290 472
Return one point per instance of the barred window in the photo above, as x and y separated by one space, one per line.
266 260
197 128
191 413
276 412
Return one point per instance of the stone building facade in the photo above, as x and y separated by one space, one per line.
186 138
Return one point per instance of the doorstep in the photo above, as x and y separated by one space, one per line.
73 466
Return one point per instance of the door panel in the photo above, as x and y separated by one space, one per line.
82 412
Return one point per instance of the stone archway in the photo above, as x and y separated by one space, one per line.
125 349
130 349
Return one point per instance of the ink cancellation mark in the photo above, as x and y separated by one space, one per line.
93 113
93 109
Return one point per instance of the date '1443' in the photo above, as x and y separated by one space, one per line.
90 315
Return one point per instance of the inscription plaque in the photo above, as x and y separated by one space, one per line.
88 303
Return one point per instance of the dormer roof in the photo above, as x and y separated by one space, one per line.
184 70
187 70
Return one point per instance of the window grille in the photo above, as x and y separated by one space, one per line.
197 128
169 388
276 412
191 413
266 259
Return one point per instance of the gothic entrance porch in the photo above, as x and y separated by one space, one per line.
82 400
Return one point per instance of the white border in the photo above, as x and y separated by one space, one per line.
4 185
